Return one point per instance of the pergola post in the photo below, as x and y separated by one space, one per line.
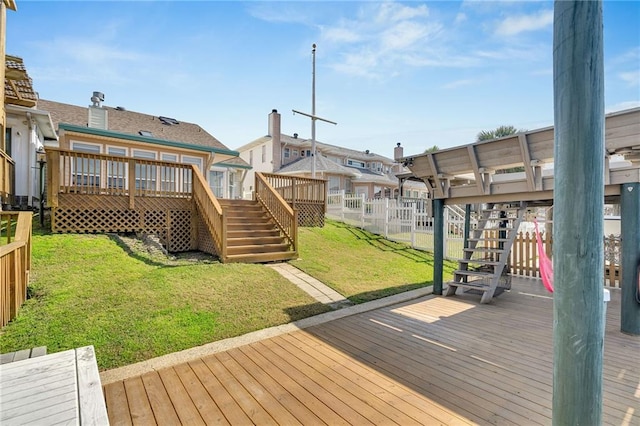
578 251
438 244
630 236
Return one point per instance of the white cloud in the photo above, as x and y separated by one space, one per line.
514 25
632 78
458 83
341 35
622 106
394 12
404 35
460 18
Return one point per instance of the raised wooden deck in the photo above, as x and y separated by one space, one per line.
433 360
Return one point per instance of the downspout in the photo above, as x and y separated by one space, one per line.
31 157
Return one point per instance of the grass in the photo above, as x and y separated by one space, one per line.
88 290
363 266
134 305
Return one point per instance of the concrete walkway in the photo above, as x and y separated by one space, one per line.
311 286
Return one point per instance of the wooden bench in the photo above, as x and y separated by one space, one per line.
62 387
23 354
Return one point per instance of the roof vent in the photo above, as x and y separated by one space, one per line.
97 98
168 121
121 108
274 110
366 152
295 136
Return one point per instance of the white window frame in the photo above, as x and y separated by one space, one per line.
168 176
88 170
186 175
120 179
150 181
217 190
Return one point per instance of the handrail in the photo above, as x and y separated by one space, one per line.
285 217
74 172
15 263
294 189
211 212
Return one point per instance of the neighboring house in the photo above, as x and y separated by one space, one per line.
101 129
26 130
344 169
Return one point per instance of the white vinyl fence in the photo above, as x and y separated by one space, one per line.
404 220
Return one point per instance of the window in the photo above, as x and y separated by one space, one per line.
7 138
86 170
355 163
216 183
287 153
187 178
302 153
168 174
145 133
145 172
334 183
295 152
233 192
116 170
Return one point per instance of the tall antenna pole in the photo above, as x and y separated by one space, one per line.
313 111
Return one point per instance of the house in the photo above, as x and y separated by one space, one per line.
344 169
100 129
26 130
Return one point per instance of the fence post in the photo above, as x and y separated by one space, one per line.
343 203
386 218
413 224
362 210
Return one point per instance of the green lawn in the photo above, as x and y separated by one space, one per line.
363 266
132 306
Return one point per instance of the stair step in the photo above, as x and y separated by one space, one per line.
500 240
478 261
484 250
258 248
252 240
240 233
470 273
262 257
236 220
476 285
249 226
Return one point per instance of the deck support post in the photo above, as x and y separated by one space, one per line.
578 251
438 244
630 232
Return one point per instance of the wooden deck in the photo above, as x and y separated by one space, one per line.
433 360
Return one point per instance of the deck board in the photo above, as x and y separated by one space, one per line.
433 360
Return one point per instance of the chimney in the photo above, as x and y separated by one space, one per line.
97 114
275 133
398 152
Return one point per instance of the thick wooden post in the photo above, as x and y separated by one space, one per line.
467 224
438 245
578 251
630 248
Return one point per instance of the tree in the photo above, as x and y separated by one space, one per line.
432 149
499 132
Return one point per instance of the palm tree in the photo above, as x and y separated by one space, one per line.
499 132
432 149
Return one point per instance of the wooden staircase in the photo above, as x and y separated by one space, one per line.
252 235
484 266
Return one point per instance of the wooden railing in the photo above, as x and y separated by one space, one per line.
285 217
7 175
298 189
211 213
524 256
73 172
15 262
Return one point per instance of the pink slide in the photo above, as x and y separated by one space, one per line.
546 266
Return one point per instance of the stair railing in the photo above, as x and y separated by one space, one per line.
282 214
211 213
15 262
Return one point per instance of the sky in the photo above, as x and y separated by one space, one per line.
419 73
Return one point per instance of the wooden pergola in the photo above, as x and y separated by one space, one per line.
474 174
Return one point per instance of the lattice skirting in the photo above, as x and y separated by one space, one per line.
310 215
205 241
169 218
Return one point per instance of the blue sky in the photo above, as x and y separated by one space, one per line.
419 73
